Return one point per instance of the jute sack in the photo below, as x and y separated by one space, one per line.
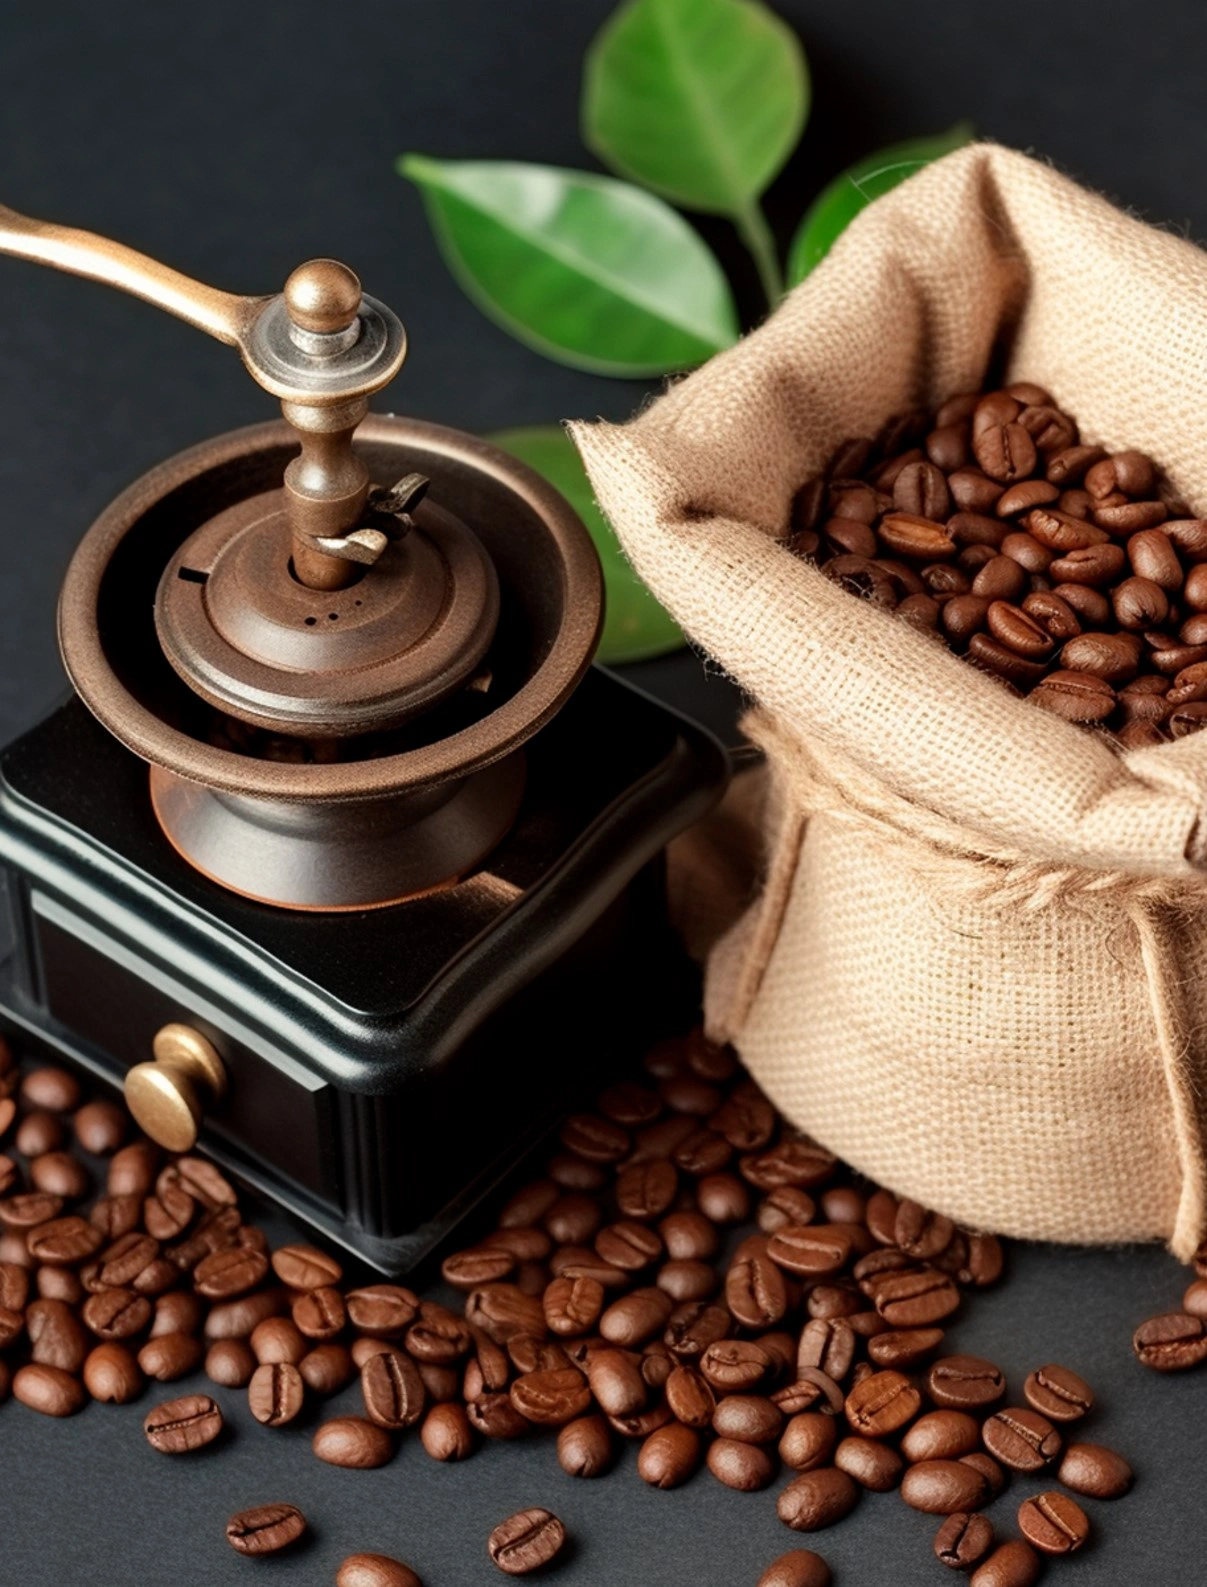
977 963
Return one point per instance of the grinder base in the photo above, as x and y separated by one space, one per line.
385 1067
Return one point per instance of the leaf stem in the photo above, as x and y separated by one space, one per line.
756 234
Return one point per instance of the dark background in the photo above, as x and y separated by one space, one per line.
235 140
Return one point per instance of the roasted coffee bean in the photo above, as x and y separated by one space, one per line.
326 1369
792 1164
526 1244
965 1383
688 1237
170 1356
882 1404
57 1337
37 1133
375 1570
813 1389
48 1389
117 1313
277 1339
817 1499
944 1487
225 1274
723 1198
941 1435
60 1283
116 1215
178 1426
800 1567
916 1300
64 1241
572 1306
904 1348
112 1375
573 1218
963 1540
29 1210
1171 1343
840 1299
1096 1471
132 1170
732 1366
268 1529
1021 1439
688 1093
275 1394
1012 1564
51 1088
383 1310
1058 1394
647 1190
526 1542
598 1139
100 1127
553 1397
628 1245
687 1281
808 1440
494 1416
828 1344
305 1267
617 1383
230 1362
1053 1523
14 1286
748 1419
236 1319
636 1317
354 1442
669 1456
870 1463
438 1335
755 1293
446 1434
812 1250
746 1467
585 1448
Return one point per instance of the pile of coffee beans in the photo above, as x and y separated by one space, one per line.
1071 573
689 1274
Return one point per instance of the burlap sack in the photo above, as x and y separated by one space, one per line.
977 966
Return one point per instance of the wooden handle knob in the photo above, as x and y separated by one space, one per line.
168 1096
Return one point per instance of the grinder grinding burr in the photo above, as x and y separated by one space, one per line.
396 836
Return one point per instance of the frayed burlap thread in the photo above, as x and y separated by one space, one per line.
977 966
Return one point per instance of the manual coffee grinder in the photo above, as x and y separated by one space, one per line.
392 886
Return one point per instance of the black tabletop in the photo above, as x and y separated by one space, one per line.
236 139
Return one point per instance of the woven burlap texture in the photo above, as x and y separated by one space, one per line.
977 967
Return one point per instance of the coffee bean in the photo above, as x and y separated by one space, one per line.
755 1292
1013 1564
354 1442
882 1404
872 1464
228 1273
812 1250
1058 1394
48 1389
688 1237
1053 1523
112 1375
177 1426
817 1499
60 1283
554 1397
748 1419
647 1190
39 1132
230 1362
117 1313
326 1369
132 1170
170 1356
800 1567
731 1365
237 1319
29 1210
438 1335
966 1383
268 1529
1021 1439
745 1467
903 1348
526 1542
382 1310
599 1140
808 1441
1171 1343
723 1198
814 1389
275 1394
636 1317
56 1335
100 1127
943 1487
1096 1471
375 1570
669 1456
941 1435
64 1241
572 1306
584 1447
51 1088
963 1540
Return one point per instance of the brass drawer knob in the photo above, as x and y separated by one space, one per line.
167 1097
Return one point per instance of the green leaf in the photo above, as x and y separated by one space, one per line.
635 626
590 271
701 100
839 203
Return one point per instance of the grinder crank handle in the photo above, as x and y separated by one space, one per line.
320 346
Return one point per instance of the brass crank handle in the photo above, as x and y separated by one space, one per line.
321 346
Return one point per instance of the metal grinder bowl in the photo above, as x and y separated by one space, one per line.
404 810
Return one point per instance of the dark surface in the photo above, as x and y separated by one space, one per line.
236 141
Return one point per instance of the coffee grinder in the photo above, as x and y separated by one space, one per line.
343 862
